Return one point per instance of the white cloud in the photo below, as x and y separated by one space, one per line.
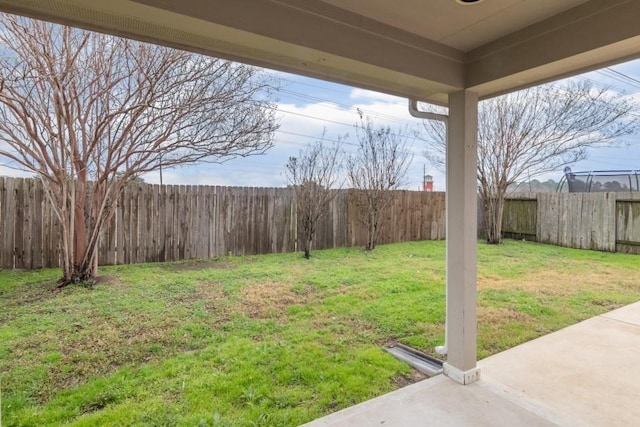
364 94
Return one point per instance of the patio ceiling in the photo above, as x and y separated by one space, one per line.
425 49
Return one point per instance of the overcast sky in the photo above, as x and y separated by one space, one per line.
309 107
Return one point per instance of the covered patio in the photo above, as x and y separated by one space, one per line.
585 374
447 52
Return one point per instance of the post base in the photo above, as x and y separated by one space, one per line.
462 377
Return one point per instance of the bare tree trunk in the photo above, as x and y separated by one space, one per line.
372 230
308 234
493 210
307 247
80 237
80 261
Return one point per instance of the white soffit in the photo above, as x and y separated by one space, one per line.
463 27
423 49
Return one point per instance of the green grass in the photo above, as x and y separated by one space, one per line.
270 340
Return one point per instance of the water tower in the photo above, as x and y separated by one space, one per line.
428 183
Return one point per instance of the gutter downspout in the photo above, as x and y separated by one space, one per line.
413 110
426 115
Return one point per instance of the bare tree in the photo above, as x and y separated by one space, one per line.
314 176
378 166
535 131
87 113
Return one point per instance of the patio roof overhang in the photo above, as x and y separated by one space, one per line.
440 51
413 48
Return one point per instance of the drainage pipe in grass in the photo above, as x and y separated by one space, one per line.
413 110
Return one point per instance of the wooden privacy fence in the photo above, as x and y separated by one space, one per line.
599 221
171 222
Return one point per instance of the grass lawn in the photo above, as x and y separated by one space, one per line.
270 340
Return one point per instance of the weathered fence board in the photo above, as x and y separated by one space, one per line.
172 222
520 218
7 209
598 221
18 247
628 224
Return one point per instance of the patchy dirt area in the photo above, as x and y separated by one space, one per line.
494 315
413 377
199 264
560 283
270 299
209 292
29 293
106 280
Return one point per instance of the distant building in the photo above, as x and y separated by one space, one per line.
427 183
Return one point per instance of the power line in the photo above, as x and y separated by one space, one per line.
409 121
353 144
308 116
634 81
345 91
329 120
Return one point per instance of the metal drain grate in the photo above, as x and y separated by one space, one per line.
422 362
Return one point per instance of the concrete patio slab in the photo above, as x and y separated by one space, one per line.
629 314
586 374
438 401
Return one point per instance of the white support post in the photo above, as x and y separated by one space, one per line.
462 237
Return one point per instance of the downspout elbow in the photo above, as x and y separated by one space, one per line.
413 110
